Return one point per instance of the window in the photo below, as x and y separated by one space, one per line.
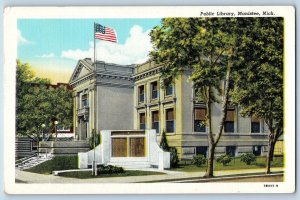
202 150
257 150
230 150
142 121
155 121
169 90
84 100
255 125
229 122
141 94
199 119
170 120
154 90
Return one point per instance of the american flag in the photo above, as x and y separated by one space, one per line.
105 33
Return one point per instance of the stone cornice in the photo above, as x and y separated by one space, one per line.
82 80
146 73
114 76
112 84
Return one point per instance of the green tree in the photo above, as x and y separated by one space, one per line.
38 103
163 142
207 47
259 85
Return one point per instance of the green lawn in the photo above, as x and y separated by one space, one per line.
88 174
57 163
234 164
70 162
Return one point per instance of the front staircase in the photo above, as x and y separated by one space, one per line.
32 161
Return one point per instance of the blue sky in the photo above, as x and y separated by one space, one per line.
53 46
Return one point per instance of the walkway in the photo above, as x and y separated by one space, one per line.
29 177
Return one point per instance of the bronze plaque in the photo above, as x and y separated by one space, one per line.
119 147
137 147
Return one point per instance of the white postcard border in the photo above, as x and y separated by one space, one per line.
10 56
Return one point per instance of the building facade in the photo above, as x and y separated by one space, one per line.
144 104
102 96
177 111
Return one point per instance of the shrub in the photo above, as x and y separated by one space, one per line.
199 160
109 169
173 151
163 142
248 158
224 159
96 137
174 157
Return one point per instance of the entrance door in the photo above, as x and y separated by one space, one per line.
83 131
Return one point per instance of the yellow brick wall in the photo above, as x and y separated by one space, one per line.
174 139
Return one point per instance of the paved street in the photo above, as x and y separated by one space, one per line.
170 176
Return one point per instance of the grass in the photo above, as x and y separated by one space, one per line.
88 174
70 162
57 163
234 164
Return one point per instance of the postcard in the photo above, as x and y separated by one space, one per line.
149 100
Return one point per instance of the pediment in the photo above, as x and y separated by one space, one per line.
82 69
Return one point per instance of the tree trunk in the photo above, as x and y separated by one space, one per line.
55 133
271 146
211 142
210 161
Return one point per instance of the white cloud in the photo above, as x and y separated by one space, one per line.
49 55
22 40
135 50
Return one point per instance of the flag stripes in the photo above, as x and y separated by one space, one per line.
105 33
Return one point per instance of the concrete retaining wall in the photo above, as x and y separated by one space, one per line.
64 148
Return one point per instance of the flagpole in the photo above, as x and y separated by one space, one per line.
95 103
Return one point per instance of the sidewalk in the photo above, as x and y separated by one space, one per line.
29 177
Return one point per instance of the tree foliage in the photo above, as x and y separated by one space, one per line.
206 49
38 103
225 56
259 85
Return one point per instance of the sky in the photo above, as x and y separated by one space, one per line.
53 46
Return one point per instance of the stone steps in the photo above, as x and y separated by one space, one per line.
33 161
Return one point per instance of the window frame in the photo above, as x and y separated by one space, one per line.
141 94
227 122
167 120
228 148
84 100
152 121
198 121
251 125
152 85
144 124
169 95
